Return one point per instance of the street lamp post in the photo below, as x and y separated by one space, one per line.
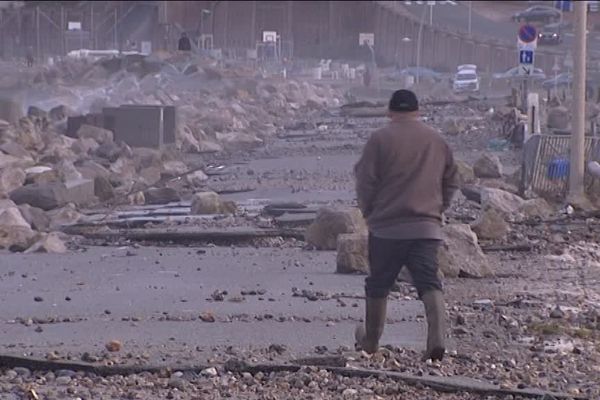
405 41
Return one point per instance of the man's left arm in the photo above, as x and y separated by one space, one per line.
450 180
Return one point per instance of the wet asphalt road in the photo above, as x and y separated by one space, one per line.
151 301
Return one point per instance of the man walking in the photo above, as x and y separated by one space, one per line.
405 180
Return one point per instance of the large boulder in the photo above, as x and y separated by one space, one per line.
196 179
352 253
84 146
330 223
173 169
466 175
46 196
488 166
11 216
48 243
501 200
536 208
15 232
211 203
100 135
36 217
491 225
16 238
11 179
103 189
161 196
460 255
109 151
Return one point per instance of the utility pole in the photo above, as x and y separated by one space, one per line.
471 16
577 162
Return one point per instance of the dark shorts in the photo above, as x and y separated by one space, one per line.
388 256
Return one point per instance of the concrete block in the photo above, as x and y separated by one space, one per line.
80 191
142 125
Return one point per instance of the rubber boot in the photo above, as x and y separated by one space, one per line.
367 335
436 324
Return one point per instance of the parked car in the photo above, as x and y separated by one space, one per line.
549 35
561 80
538 13
513 74
466 79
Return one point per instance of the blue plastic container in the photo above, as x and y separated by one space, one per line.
558 169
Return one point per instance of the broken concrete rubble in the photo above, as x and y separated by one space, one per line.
330 223
488 166
352 254
65 216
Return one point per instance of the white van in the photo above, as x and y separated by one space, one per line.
466 79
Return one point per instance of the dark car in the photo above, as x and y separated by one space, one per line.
549 35
538 13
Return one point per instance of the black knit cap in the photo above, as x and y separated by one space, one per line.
403 101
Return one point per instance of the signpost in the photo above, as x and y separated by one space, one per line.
527 43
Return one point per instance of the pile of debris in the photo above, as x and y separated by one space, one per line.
48 170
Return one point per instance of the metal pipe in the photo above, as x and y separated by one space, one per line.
419 39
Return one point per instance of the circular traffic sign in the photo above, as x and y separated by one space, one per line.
527 33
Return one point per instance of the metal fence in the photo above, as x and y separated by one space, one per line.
546 164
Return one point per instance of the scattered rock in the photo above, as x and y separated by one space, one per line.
211 203
352 254
557 313
161 196
453 126
488 166
209 372
207 317
11 179
330 223
114 346
491 225
16 238
460 255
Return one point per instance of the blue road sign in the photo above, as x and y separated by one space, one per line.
527 33
526 57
